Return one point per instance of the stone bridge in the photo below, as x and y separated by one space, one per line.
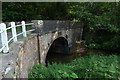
64 33
32 50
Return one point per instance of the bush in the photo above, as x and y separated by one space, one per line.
96 66
109 42
92 66
52 71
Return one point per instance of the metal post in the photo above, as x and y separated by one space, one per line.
14 31
4 37
24 29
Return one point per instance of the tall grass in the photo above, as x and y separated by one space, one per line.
97 66
92 66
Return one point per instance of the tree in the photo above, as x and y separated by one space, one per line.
101 20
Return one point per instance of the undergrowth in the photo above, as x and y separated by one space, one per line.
92 66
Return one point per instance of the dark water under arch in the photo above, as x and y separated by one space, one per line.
59 49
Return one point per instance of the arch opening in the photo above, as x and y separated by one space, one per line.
59 48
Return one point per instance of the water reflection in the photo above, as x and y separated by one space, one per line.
60 52
63 58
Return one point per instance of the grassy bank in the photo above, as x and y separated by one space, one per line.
92 66
20 28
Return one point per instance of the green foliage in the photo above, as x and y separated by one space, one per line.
98 18
96 15
92 66
28 11
97 46
107 42
95 66
52 71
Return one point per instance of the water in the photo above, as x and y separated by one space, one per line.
65 58
60 52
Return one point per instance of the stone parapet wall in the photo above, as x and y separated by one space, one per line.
47 26
22 56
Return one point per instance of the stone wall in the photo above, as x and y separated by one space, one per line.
22 56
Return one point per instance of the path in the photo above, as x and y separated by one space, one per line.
6 60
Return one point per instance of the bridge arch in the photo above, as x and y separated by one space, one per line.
58 46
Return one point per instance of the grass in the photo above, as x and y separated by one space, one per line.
97 66
20 28
91 66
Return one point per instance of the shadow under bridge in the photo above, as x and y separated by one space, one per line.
57 50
